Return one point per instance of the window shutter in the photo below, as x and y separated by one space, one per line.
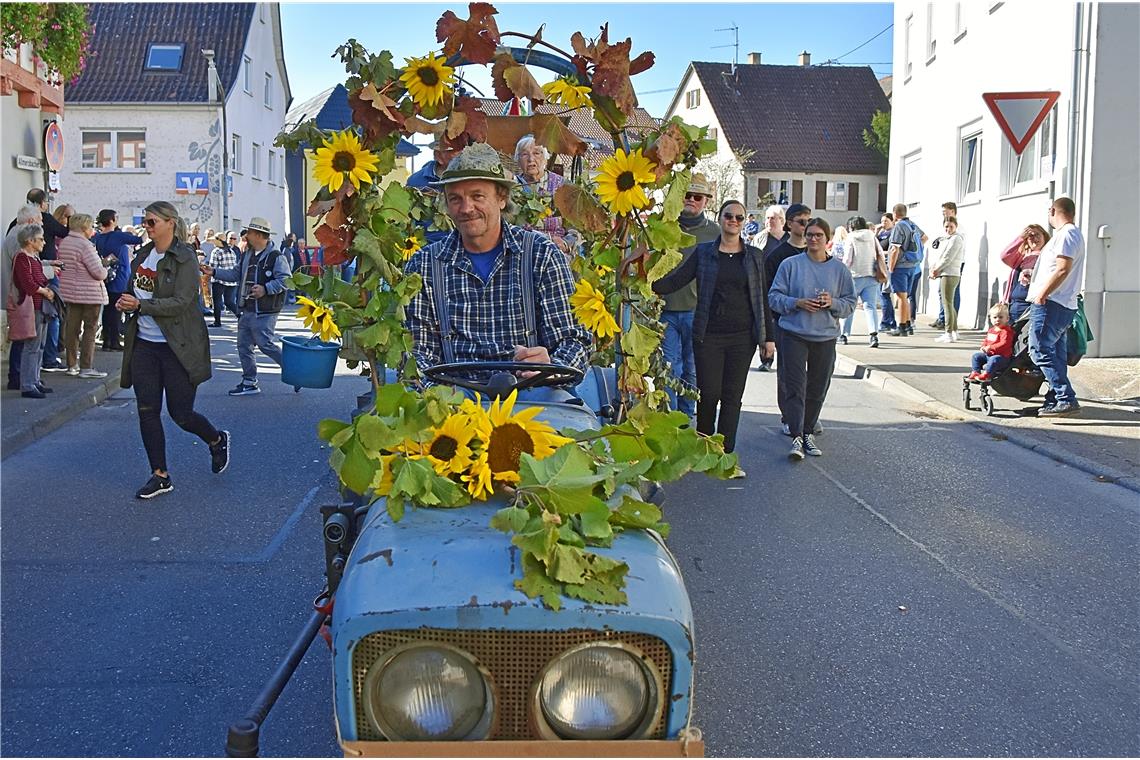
852 196
797 191
882 196
820 196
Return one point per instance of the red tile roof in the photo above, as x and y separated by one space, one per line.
797 118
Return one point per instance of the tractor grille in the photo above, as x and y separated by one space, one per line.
514 659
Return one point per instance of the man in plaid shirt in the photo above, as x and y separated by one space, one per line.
482 278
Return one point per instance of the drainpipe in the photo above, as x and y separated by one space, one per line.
1078 98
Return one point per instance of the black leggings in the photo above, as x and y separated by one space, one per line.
154 370
722 373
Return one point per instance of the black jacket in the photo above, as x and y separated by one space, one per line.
52 230
703 263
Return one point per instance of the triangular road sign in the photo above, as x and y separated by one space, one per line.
1019 114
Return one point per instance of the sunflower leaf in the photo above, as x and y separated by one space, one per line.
327 428
564 481
568 564
675 197
596 521
395 506
358 468
597 591
510 519
635 513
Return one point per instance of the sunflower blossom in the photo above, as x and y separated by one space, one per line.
565 92
318 318
506 436
621 181
428 79
342 156
449 449
590 308
411 244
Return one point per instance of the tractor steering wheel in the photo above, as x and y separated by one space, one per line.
503 379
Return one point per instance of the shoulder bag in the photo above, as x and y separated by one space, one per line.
21 314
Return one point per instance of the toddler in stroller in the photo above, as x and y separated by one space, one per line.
1003 366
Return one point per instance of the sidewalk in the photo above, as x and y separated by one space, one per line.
1103 440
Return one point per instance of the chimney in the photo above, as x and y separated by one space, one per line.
805 58
754 59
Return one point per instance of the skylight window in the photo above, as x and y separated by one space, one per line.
164 57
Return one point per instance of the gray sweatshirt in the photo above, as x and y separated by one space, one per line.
801 277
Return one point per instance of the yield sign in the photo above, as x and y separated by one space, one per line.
1019 114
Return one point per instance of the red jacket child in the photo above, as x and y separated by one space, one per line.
999 341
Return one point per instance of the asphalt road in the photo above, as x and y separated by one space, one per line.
143 628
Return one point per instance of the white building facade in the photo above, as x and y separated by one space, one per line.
946 145
126 154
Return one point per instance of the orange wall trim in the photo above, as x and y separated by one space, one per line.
32 91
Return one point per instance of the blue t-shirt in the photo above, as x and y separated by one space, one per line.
484 262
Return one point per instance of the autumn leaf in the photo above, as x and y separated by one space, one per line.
376 124
641 63
381 103
319 207
523 84
335 217
580 209
670 144
467 123
335 242
503 61
550 132
475 39
611 76
424 127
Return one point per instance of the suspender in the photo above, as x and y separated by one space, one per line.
443 313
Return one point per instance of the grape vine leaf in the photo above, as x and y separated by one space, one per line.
474 39
335 242
537 585
580 208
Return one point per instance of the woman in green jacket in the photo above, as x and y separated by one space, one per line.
167 347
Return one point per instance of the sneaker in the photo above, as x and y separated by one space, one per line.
738 473
797 452
910 328
810 448
44 389
33 394
1060 409
220 453
843 339
72 371
244 389
982 377
970 377
873 341
785 429
57 367
938 324
944 338
765 366
155 486
91 374
817 429
954 336
897 332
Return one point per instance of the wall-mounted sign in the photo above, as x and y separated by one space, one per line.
53 182
31 163
1019 114
53 146
229 186
191 183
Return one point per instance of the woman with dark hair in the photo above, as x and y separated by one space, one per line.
730 320
811 293
1021 257
166 346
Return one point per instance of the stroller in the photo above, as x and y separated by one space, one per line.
1020 379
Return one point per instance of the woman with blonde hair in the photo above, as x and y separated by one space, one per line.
166 350
82 284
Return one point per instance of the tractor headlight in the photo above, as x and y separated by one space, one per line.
598 691
422 692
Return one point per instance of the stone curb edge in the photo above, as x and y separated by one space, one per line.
888 382
63 415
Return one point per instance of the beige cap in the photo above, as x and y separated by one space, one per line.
700 185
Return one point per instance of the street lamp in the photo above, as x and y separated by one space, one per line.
216 89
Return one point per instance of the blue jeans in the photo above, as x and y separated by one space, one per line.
677 346
868 291
256 330
1048 347
51 343
888 321
991 365
957 298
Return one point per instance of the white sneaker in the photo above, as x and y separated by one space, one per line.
92 374
785 429
954 337
73 371
944 338
797 452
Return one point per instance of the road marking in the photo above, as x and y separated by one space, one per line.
271 548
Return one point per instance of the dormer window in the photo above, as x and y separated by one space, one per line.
164 57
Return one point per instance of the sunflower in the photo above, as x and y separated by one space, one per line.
506 437
383 479
621 178
590 308
318 318
449 449
567 92
428 79
411 244
341 155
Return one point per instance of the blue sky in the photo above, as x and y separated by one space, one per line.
677 33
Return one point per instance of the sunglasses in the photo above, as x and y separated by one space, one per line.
802 221
737 217
150 222
694 197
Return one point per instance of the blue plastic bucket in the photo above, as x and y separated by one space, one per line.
307 362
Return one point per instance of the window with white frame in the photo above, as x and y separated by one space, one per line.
969 162
911 178
271 167
255 161
959 21
836 196
114 149
908 63
931 42
246 74
692 98
164 57
235 153
714 134
1035 162
281 158
268 95
781 190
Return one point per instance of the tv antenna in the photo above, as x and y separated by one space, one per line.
735 43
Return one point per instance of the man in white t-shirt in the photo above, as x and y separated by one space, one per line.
1057 279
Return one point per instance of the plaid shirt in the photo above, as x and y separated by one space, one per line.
487 317
223 257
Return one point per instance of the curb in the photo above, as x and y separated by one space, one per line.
64 414
888 382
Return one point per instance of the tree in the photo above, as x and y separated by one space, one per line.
879 136
726 173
